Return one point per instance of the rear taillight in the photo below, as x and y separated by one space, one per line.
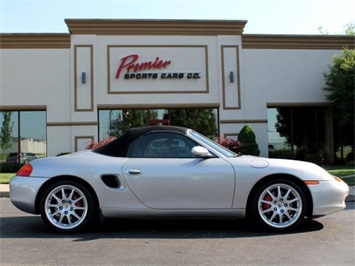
25 170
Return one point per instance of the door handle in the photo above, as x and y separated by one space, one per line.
134 172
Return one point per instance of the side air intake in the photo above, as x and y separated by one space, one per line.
111 181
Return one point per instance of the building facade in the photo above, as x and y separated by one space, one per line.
67 90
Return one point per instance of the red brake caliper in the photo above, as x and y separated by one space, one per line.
265 205
79 203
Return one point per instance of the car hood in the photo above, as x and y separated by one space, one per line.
301 169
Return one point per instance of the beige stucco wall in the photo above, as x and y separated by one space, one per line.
281 73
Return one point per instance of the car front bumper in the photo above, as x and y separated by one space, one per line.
328 197
23 192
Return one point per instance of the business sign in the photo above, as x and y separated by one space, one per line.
153 69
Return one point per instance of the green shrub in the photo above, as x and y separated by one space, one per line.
312 155
282 154
10 167
315 158
350 156
247 137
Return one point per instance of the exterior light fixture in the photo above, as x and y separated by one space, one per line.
231 76
83 77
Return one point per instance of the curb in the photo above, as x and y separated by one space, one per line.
4 191
4 194
350 198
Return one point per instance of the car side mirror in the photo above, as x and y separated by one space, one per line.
201 152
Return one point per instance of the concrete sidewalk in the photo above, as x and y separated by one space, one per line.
4 192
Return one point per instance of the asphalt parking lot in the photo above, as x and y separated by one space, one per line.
326 241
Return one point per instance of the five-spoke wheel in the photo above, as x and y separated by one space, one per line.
67 206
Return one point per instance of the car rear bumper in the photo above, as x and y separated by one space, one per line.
328 197
23 192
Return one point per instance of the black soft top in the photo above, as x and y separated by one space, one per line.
119 147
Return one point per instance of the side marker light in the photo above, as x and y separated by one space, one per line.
311 182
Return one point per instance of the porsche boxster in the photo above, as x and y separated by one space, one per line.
174 172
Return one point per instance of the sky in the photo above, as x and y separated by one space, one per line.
263 16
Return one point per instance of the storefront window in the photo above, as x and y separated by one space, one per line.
110 123
23 136
116 122
277 142
203 121
303 133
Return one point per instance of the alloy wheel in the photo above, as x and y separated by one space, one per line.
280 205
66 207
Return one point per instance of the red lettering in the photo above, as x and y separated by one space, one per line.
155 62
142 66
128 62
123 64
165 64
159 64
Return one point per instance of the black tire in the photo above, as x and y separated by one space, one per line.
279 205
67 207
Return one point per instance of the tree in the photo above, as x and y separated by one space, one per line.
300 126
133 118
340 85
304 131
119 123
339 89
201 120
349 28
6 131
247 137
322 31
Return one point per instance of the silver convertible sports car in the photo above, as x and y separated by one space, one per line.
173 172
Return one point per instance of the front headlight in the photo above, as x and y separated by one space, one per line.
337 178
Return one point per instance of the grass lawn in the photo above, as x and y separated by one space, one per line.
5 178
340 170
349 180
347 173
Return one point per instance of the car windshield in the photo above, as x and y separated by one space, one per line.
226 152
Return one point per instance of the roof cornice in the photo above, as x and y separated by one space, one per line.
35 40
155 27
327 42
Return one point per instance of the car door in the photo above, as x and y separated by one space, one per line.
163 174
